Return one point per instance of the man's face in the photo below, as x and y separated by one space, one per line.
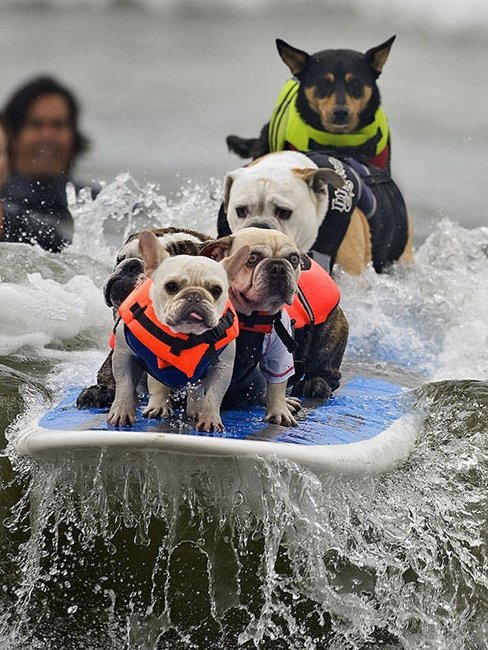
44 145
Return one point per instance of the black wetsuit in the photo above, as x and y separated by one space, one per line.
36 212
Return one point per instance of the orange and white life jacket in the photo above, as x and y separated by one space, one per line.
171 357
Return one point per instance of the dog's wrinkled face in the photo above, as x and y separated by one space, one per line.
268 279
127 275
188 293
284 191
337 84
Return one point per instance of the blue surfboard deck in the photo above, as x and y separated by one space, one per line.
362 425
359 411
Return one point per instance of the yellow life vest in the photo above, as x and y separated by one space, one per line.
287 128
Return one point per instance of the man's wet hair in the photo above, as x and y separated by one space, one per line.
18 105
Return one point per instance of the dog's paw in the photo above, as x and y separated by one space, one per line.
121 415
294 404
209 422
282 416
156 410
97 396
316 388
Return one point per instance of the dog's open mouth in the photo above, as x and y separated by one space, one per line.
196 316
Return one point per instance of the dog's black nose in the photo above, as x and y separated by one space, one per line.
277 267
193 297
340 114
132 266
260 224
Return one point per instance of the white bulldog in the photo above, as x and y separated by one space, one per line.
287 191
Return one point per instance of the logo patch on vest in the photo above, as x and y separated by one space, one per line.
343 196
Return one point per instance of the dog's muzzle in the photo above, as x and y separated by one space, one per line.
125 278
257 222
281 279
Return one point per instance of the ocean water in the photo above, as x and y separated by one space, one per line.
147 553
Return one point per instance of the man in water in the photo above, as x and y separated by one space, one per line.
44 141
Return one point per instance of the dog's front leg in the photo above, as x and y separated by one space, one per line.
159 405
205 398
278 411
127 373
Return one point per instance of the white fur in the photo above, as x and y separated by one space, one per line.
270 182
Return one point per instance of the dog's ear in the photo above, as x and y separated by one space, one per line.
152 251
236 261
228 180
305 262
376 56
217 249
295 59
318 179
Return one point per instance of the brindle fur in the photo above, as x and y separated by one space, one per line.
324 357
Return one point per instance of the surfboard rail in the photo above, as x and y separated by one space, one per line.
365 429
378 454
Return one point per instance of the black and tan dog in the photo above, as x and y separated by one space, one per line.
332 103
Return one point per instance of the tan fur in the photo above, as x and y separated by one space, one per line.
304 174
357 105
325 106
407 256
354 253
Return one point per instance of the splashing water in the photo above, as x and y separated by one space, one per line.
142 551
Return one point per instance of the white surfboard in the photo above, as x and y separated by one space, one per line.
365 427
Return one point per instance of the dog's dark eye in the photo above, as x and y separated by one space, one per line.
294 260
324 88
242 211
216 291
282 213
355 88
171 287
252 259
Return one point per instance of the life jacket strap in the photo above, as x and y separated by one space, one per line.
263 323
308 329
177 345
283 334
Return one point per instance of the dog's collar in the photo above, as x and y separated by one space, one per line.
261 322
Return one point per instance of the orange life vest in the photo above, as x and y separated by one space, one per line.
317 296
171 357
